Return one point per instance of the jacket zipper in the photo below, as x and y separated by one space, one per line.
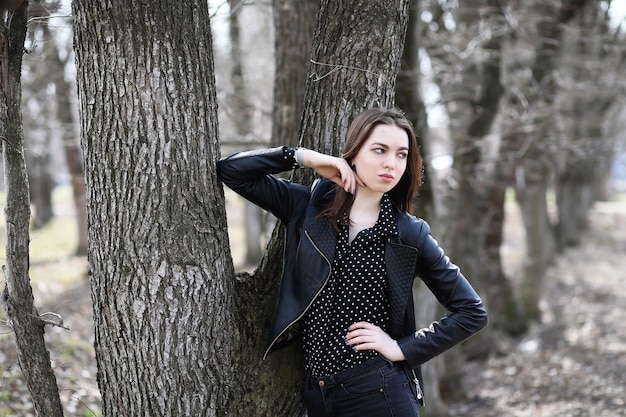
312 300
420 395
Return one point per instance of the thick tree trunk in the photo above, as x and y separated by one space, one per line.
17 297
160 268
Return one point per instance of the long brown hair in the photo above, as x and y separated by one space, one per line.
360 130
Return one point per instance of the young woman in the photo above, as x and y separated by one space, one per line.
352 251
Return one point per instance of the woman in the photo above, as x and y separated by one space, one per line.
352 251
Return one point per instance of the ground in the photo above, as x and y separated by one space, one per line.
572 363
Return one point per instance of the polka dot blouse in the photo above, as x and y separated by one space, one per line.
356 291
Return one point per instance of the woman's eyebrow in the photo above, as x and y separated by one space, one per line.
384 145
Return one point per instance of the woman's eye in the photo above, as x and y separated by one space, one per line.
403 155
379 150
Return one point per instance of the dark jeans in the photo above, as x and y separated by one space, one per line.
377 388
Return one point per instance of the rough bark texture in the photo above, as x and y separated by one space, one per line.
17 296
356 57
160 269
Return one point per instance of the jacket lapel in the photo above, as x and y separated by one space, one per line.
324 237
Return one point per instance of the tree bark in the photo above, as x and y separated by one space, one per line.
161 274
356 57
293 28
17 296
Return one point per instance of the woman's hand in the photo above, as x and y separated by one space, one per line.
334 168
366 336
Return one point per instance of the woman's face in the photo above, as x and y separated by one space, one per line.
381 161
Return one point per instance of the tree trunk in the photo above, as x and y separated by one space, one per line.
531 195
293 29
161 274
40 182
356 57
471 90
71 144
17 296
583 107
538 159
243 113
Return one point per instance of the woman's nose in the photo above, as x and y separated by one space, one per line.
389 161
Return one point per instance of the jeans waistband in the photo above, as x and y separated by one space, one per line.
370 365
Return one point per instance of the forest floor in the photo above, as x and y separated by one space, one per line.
572 363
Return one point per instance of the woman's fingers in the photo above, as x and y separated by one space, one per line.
335 169
366 336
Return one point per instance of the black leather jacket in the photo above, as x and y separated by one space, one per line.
310 248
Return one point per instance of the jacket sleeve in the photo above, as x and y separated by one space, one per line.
250 174
466 313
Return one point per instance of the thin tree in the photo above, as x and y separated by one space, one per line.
17 296
243 113
592 50
533 171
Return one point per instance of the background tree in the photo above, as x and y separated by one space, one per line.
409 98
37 117
586 94
293 28
17 296
242 110
532 104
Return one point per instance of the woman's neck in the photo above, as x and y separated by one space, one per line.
364 212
